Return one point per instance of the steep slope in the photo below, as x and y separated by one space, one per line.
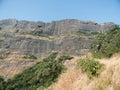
13 64
75 79
54 28
38 39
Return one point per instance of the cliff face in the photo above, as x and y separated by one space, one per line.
39 38
21 38
40 48
55 28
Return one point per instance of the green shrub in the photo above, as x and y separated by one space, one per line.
30 56
40 33
64 57
86 33
1 57
41 75
91 67
2 83
51 56
107 43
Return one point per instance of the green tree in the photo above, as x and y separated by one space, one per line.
106 44
41 75
2 83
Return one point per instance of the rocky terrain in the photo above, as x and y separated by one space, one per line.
39 38
21 38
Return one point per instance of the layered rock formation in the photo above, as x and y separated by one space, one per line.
39 38
54 28
21 38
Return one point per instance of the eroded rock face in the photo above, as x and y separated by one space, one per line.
39 48
55 27
14 36
21 38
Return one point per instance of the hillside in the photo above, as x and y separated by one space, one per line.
98 70
40 38
75 79
55 55
19 39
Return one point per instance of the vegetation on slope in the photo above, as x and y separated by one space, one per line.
30 56
107 43
108 79
44 73
62 58
40 76
2 84
90 66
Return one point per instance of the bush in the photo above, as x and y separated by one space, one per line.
29 56
39 33
41 75
2 83
51 56
106 44
92 67
64 57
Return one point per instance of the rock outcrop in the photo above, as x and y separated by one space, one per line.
39 38
55 28
21 38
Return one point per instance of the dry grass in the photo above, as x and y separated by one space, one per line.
71 79
109 78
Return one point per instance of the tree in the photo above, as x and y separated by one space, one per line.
2 83
106 44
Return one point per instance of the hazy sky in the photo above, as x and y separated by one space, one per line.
49 10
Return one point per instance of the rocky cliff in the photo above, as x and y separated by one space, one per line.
39 38
21 38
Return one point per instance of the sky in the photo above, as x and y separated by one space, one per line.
99 11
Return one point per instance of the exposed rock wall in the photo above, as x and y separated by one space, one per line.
55 27
13 36
74 46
